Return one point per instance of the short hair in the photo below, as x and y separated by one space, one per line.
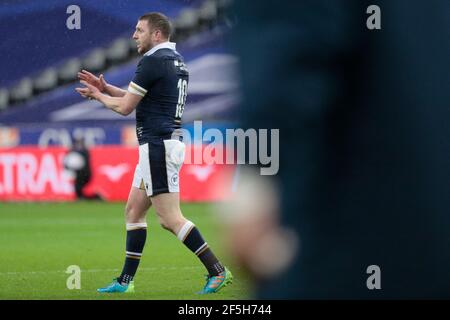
158 21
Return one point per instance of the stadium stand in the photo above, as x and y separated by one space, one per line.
37 62
45 98
41 114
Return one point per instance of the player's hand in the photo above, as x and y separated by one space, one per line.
98 82
89 91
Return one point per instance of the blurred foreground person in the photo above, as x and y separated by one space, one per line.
364 176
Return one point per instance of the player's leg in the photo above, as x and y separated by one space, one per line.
167 207
168 211
135 216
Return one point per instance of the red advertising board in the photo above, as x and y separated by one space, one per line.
35 174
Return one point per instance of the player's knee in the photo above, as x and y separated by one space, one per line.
132 214
171 225
166 226
129 208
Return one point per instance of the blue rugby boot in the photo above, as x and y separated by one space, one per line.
116 287
215 283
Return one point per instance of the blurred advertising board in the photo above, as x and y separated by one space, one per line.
37 174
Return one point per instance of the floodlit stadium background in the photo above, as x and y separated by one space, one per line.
43 228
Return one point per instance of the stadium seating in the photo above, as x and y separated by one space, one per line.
211 90
4 99
56 51
41 113
45 100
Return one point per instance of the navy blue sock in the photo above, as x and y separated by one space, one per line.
136 236
192 238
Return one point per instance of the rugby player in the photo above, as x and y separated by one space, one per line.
158 93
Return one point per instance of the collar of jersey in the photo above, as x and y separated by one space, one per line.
164 45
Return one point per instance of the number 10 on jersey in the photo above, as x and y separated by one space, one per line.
182 93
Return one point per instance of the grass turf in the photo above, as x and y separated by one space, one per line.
38 241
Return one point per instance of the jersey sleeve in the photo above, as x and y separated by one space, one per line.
147 72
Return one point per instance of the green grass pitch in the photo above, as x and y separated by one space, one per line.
38 241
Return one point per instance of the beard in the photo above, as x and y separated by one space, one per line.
143 49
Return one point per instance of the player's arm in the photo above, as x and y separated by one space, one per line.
148 71
122 105
114 91
101 84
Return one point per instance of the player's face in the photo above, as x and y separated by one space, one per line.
143 37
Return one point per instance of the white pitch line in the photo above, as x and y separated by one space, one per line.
102 270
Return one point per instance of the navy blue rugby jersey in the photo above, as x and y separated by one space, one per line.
161 78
